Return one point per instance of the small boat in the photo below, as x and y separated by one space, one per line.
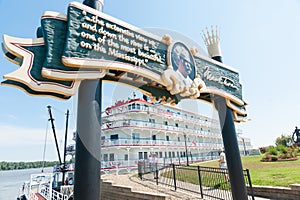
57 185
49 186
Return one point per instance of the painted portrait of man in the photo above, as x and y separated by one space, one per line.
183 62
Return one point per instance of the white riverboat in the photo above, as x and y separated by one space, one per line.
135 129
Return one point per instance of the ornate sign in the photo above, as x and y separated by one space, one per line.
88 44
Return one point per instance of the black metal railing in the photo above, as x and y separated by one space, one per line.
208 182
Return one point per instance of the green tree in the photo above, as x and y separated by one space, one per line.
284 140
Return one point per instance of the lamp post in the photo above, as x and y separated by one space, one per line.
186 150
128 149
245 152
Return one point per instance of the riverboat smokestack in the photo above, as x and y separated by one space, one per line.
212 42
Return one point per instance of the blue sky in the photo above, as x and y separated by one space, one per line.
261 39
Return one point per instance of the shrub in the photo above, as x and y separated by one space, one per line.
272 150
263 150
282 149
274 158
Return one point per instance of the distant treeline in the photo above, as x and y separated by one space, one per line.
26 165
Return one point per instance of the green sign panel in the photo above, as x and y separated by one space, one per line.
87 44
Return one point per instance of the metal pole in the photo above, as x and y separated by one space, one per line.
174 176
200 181
186 151
245 152
231 147
54 133
87 156
230 141
65 147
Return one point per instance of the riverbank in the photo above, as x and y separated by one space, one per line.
25 165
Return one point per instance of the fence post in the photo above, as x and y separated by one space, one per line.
250 184
140 169
200 181
156 175
174 175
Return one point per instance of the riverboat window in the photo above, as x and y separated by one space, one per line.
133 106
167 138
160 154
102 140
111 157
176 124
126 122
129 107
138 106
153 137
170 154
173 154
166 123
146 107
143 155
186 126
114 137
126 157
105 157
166 155
151 120
178 139
135 136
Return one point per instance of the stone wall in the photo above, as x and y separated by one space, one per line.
110 191
278 193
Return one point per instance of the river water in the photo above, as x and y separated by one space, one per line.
12 180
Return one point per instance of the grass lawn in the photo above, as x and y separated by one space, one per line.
281 173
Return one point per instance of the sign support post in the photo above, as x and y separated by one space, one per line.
88 148
233 158
234 163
